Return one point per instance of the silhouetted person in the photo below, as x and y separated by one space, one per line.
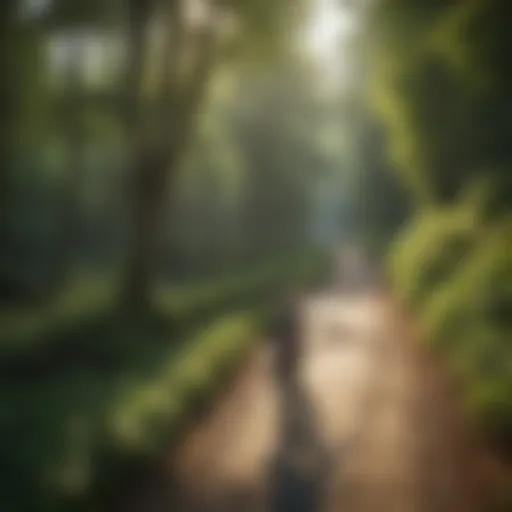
300 470
286 337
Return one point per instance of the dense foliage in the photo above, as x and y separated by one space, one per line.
441 86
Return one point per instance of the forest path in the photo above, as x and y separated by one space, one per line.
367 427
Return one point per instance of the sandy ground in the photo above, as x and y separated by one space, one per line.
366 427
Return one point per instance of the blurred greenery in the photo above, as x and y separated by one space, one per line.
441 87
58 441
95 390
140 246
165 170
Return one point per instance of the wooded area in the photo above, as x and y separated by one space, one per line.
168 166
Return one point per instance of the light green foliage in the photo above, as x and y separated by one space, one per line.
428 249
475 285
456 275
184 379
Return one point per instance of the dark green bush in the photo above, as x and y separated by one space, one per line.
96 392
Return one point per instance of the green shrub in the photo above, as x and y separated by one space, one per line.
478 289
428 250
456 275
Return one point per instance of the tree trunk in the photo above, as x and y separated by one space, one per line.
155 167
8 102
138 18
151 183
69 220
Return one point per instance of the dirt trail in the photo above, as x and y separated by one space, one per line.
367 428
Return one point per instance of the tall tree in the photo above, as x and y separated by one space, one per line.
160 141
21 96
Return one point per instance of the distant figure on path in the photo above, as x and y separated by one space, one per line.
351 268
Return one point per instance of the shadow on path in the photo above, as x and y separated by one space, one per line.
299 472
